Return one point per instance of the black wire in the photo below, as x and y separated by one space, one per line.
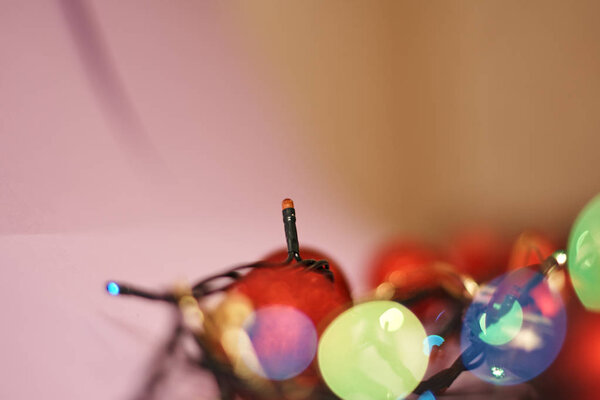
444 378
159 370
128 290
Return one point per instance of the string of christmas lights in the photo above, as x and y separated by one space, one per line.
287 327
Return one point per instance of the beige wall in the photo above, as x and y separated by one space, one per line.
431 113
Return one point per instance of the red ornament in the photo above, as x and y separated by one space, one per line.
312 293
340 282
533 247
530 248
405 264
414 273
479 253
574 374
307 291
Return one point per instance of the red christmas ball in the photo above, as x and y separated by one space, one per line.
530 248
340 282
533 247
478 252
307 291
574 374
405 265
414 273
292 306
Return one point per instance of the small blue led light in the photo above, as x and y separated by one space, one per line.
112 288
427 396
430 341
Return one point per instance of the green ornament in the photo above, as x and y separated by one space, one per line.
584 255
373 351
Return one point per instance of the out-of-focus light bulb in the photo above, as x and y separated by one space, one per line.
278 342
373 351
504 328
584 255
430 341
517 324
427 396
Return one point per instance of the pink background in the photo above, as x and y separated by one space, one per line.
376 118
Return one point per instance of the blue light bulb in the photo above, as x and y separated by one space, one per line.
517 324
427 396
112 288
430 341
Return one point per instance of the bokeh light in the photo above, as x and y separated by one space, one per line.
430 341
427 396
514 328
504 328
279 342
584 255
373 351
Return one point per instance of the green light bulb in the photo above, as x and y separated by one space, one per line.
584 255
373 351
